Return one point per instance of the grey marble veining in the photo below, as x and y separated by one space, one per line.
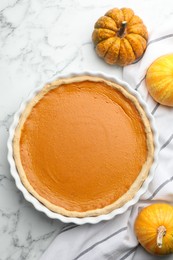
38 40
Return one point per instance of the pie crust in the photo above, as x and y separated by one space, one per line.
136 184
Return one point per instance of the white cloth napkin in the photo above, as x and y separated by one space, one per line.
115 239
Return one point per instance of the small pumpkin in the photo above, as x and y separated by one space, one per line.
154 228
159 80
120 37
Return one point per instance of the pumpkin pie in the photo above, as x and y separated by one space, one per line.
83 146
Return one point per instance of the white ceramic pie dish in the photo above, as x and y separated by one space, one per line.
38 205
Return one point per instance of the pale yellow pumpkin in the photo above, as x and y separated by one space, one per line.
159 80
154 228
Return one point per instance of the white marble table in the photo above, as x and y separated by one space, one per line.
39 39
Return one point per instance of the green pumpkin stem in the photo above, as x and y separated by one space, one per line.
161 232
121 32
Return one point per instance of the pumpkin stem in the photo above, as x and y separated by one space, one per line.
122 29
161 232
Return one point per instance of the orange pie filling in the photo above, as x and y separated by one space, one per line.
83 145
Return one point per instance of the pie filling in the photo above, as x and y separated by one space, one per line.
83 145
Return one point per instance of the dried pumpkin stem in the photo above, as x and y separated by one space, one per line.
161 232
122 29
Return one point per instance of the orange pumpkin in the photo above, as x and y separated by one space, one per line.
159 80
120 37
154 228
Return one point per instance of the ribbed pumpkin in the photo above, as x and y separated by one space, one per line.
120 37
159 80
154 228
